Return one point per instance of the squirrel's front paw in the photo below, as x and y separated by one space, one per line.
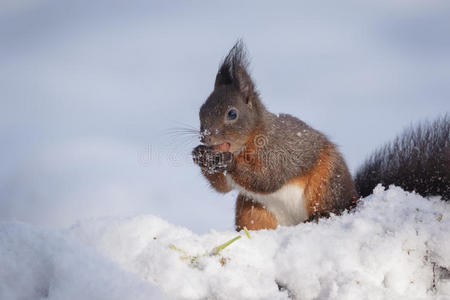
212 161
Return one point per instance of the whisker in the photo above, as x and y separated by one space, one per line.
185 125
184 144
182 136
183 129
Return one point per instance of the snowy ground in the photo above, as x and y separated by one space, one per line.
386 249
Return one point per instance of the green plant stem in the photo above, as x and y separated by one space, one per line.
217 250
246 232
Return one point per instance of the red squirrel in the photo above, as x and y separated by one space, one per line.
285 171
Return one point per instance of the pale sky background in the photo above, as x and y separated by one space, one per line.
90 89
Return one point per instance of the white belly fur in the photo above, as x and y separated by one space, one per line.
287 204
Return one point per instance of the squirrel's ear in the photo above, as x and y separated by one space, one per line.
233 71
223 77
244 83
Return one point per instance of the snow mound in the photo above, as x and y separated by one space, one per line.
35 264
393 246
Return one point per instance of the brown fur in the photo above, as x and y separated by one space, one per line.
315 183
247 159
252 215
217 181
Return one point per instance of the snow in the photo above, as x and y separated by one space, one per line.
37 264
386 249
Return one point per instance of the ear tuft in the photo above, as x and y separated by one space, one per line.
233 70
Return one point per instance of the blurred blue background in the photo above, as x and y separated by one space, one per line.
90 91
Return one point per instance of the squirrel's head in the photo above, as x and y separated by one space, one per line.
233 110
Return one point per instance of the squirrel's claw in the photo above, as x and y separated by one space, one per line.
210 160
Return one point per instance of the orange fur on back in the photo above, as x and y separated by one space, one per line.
316 183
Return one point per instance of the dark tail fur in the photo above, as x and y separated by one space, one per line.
417 160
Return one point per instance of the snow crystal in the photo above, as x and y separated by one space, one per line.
205 132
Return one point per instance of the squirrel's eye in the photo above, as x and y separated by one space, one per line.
232 114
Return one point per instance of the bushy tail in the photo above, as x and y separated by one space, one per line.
417 160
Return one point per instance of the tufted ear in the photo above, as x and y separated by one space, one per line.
233 71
